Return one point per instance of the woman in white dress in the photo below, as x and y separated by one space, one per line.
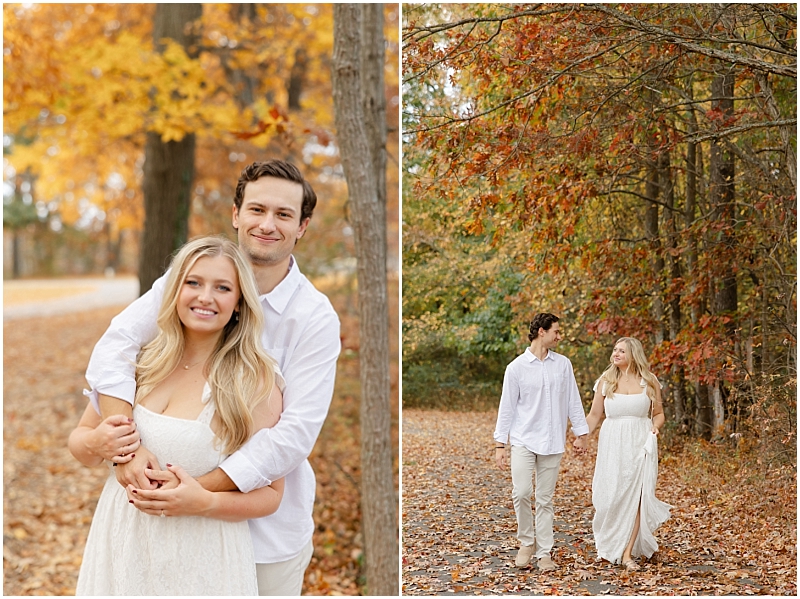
628 397
204 385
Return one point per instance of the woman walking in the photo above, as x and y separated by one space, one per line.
628 401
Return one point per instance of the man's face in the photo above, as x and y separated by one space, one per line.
268 221
551 338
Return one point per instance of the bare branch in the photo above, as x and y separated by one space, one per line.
552 79
453 54
638 195
698 137
421 32
681 41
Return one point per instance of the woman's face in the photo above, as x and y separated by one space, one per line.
620 356
209 294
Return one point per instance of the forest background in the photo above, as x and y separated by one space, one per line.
85 84
89 91
630 168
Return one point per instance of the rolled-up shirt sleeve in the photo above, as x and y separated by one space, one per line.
112 366
576 414
508 405
310 373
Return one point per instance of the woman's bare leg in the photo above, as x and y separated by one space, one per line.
626 555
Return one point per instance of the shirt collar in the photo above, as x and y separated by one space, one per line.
531 357
279 297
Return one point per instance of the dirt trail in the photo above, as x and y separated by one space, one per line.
37 298
459 526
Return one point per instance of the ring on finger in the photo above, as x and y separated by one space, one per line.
162 514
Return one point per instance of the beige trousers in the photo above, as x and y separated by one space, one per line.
284 578
523 464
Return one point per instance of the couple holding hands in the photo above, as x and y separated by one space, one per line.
539 395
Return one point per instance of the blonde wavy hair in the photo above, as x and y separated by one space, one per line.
636 360
239 372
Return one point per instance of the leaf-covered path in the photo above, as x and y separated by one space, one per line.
459 527
49 498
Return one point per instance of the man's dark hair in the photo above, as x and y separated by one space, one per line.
282 170
543 320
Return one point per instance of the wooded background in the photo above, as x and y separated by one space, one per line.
630 168
125 129
92 90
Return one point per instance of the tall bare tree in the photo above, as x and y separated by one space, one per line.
360 124
168 166
722 195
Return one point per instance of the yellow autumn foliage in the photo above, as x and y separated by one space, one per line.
83 84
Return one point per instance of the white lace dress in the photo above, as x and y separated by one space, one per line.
129 552
625 478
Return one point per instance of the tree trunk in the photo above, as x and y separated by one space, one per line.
243 12
297 76
722 196
718 408
16 258
748 349
693 273
765 355
788 135
674 295
373 94
657 261
721 193
688 222
378 497
704 419
243 84
113 247
168 167
705 411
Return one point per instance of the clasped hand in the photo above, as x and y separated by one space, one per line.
177 494
133 471
114 439
581 444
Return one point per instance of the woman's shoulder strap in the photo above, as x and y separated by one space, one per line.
209 407
597 384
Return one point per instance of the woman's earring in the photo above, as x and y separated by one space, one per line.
236 316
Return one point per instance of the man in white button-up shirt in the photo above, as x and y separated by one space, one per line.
272 208
539 394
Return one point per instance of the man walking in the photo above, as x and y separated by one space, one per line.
539 394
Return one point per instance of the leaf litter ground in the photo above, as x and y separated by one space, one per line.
49 498
728 536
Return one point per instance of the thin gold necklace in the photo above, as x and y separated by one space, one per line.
188 366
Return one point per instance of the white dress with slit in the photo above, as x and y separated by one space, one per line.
129 552
625 478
